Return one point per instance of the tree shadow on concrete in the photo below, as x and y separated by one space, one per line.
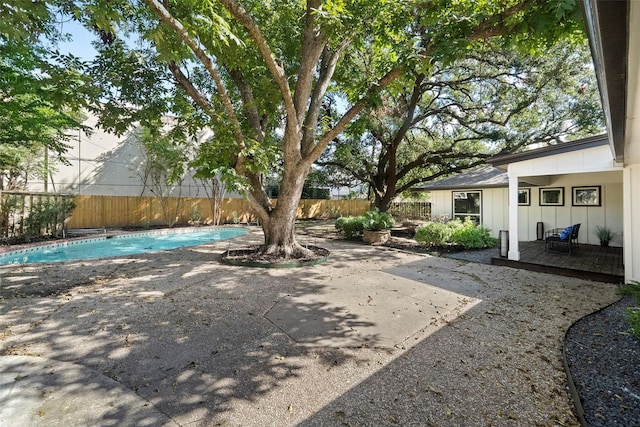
500 363
177 328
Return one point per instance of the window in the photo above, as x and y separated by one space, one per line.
552 196
467 204
586 196
524 197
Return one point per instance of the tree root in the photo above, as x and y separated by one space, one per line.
286 252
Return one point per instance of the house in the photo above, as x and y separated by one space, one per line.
614 34
545 200
595 181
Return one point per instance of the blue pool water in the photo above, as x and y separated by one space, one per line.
126 244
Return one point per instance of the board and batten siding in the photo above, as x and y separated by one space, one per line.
495 208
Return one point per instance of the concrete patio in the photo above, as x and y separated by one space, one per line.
373 336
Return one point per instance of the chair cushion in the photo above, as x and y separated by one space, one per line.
566 233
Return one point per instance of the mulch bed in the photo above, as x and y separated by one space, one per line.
603 360
252 257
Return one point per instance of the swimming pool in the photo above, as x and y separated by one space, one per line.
118 245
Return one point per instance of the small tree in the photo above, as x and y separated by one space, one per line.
215 191
163 170
47 216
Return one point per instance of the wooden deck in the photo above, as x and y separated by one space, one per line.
588 261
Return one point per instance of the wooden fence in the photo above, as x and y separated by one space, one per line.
411 210
132 211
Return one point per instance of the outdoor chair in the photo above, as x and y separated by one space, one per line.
560 238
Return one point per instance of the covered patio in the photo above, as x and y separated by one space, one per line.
588 261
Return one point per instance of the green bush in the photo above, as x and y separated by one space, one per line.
376 220
633 313
472 236
467 235
351 226
434 233
47 216
340 222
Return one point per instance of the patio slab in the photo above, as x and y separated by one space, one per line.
377 309
194 339
35 391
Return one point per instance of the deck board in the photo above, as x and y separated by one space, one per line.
588 261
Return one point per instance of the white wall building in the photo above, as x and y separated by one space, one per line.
488 187
104 164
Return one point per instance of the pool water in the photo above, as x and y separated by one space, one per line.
112 246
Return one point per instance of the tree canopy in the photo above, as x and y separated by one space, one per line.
41 91
456 115
261 74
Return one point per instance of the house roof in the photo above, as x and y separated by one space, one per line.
563 147
484 177
493 177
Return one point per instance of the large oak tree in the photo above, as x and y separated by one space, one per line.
455 115
260 73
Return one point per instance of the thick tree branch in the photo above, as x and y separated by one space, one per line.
313 44
460 168
249 103
354 111
416 96
193 92
276 70
166 18
327 68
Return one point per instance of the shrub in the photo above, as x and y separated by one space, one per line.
47 216
467 235
604 234
472 236
351 226
434 233
376 220
633 313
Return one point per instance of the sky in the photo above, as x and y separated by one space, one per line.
80 44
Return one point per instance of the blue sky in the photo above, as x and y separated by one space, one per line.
80 45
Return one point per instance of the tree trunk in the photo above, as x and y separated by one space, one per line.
279 226
383 201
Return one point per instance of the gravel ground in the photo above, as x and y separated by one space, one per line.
601 354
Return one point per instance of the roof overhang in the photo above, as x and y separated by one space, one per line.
608 29
564 147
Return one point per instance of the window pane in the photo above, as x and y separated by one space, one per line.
474 218
466 205
523 197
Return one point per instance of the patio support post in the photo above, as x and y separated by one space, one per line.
514 246
630 183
